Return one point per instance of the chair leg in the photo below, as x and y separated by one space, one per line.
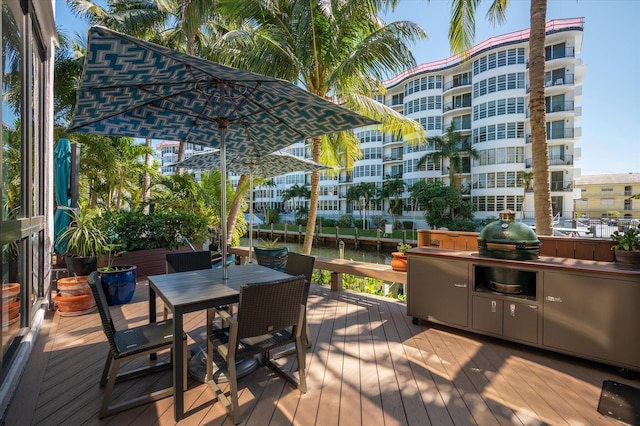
308 334
105 370
302 377
113 375
233 389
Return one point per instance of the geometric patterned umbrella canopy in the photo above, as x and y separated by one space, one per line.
132 87
275 164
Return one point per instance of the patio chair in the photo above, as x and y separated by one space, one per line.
125 345
298 263
269 316
187 261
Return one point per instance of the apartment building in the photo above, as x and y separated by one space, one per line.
608 196
486 98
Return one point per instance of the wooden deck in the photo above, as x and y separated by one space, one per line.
369 365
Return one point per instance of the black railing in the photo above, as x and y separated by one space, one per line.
453 84
560 106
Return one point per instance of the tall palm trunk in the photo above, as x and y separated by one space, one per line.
313 201
234 211
542 188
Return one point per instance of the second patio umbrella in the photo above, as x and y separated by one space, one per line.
132 87
275 164
61 218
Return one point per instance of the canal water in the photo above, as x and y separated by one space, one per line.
363 254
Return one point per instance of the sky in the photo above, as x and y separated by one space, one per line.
610 50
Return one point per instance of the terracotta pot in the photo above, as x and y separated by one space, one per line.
10 292
398 261
13 310
73 286
74 305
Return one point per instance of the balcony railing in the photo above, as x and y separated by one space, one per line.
560 106
567 52
561 186
393 176
453 84
556 134
450 106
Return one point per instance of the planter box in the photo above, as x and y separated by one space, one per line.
149 262
574 248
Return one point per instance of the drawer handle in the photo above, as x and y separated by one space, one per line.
553 299
461 285
494 306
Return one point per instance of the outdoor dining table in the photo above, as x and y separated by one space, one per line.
192 291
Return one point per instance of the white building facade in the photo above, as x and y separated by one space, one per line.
486 97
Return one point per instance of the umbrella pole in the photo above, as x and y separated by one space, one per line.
223 198
250 211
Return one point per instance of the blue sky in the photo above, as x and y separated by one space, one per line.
610 49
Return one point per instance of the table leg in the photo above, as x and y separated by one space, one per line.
152 315
179 370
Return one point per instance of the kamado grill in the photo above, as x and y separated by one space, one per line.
508 239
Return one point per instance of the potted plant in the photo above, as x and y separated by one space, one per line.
118 282
399 259
271 254
627 248
86 241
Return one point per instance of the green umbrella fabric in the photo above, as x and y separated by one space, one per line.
62 170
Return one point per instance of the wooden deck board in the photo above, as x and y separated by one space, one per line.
369 365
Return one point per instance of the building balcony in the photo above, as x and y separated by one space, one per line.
393 176
564 186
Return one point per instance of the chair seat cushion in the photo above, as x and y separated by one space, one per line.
252 345
144 337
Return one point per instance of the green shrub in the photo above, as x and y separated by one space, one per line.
272 216
326 222
407 224
345 221
134 230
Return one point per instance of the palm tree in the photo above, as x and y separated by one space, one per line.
391 190
461 34
295 193
452 147
184 25
362 194
338 50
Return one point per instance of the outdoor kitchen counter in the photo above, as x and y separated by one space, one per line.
585 308
592 266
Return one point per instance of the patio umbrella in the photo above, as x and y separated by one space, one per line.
274 164
131 87
62 168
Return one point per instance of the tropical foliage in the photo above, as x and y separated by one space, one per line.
443 206
362 194
135 230
391 191
85 236
342 52
296 194
452 147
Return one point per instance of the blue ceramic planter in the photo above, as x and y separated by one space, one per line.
119 285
